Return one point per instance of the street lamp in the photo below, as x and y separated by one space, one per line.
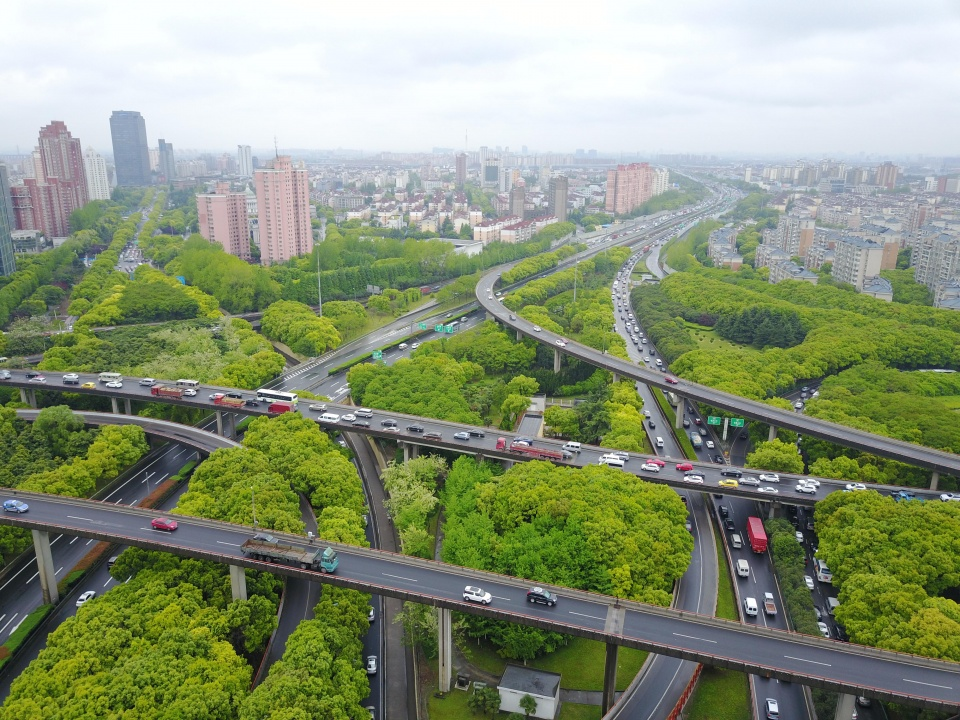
253 505
575 267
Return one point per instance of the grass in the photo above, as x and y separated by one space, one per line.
951 401
18 636
452 706
726 599
377 321
671 416
708 339
720 695
573 711
580 663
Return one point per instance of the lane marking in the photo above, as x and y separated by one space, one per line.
917 682
589 616
693 637
58 571
399 577
500 598
73 541
77 517
790 657
221 542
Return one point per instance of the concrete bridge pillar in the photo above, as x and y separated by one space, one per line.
934 479
48 576
556 361
613 625
410 451
127 407
773 433
238 582
115 406
28 397
445 630
772 512
519 336
219 422
681 406
489 316
616 378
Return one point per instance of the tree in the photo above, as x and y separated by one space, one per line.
561 421
776 455
528 704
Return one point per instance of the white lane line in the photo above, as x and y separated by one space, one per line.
500 598
4 628
790 657
399 577
917 682
77 517
693 637
74 540
35 575
89 541
589 616
59 570
221 542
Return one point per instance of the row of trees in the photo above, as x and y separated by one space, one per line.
538 264
298 327
412 487
59 264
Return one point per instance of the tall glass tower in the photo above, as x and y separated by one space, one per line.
131 154
8 264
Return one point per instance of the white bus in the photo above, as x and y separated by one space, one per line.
270 396
823 572
193 384
110 377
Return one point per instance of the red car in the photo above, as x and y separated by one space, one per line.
163 523
671 380
656 461
686 467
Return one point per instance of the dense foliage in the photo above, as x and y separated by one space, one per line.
790 561
298 327
537 264
37 272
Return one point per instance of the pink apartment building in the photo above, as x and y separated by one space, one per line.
628 187
222 217
283 204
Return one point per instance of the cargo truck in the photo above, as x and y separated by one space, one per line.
278 408
166 391
266 547
769 606
227 401
696 441
534 452
756 534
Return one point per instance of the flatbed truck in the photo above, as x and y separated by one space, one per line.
263 546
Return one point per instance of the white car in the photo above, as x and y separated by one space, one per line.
561 343
536 328
646 359
114 384
749 480
769 477
695 479
189 392
824 630
414 346
371 665
650 467
808 581
850 487
799 536
810 481
318 407
950 497
88 595
808 489
798 405
768 490
148 382
475 594
710 445
391 429
349 417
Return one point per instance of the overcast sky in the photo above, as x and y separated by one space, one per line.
741 76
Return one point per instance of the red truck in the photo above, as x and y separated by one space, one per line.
278 408
228 401
166 391
521 448
756 534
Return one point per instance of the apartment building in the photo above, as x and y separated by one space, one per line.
857 259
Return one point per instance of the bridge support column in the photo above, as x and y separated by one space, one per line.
772 512
127 407
219 422
28 397
616 378
773 433
238 582
519 336
681 406
934 480
445 629
507 464
489 316
614 626
556 361
48 576
115 405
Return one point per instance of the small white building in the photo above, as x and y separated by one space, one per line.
544 687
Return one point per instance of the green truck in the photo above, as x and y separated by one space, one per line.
266 547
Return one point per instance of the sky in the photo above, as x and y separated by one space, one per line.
741 77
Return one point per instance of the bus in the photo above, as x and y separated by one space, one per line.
823 572
270 396
106 377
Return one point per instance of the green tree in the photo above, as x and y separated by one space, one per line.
776 455
528 704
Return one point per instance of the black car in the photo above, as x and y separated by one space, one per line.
477 433
32 374
651 424
539 595
251 403
686 423
389 422
732 472
719 460
724 511
743 435
729 525
415 428
360 423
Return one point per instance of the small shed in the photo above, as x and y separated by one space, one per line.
544 687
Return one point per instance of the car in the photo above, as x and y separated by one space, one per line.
798 405
250 402
461 436
769 477
32 374
695 479
658 461
824 630
211 396
392 429
539 595
561 343
402 346
5 375
697 421
432 436
162 523
414 346
732 472
17 506
808 581
729 482
317 407
372 614
651 424
646 358
360 423
148 382
729 524
349 417
703 432
372 710
850 487
477 595
901 495
388 422
749 480
768 490
70 379
818 612
807 489
513 317
863 701
686 423
84 597
650 467
950 497
371 665
809 481
189 392
476 433
43 379
672 381
537 328
718 459
799 536
89 386
415 428
772 709
685 466
710 445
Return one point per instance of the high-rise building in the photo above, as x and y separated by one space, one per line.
628 187
558 197
8 263
856 259
166 163
490 172
222 217
131 155
95 170
518 198
482 156
887 175
62 158
461 169
244 161
283 206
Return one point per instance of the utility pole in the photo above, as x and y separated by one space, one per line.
253 505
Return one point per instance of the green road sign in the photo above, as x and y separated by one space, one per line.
438 328
736 422
377 355
422 326
713 420
448 328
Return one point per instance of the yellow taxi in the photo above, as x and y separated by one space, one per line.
729 482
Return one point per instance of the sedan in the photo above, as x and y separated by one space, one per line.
749 480
650 467
732 472
389 422
799 536
318 407
392 429
768 490
475 594
42 379
695 479
824 630
114 384
537 328
658 461
810 481
360 423
561 342
415 428
854 486
686 423
17 506
769 477
950 497
371 665
672 381
461 436
89 386
718 459
807 489
414 346
646 359
88 595
729 483
808 581
189 392
162 523
798 405
684 466
709 444
349 417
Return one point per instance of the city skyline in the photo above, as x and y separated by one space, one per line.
818 80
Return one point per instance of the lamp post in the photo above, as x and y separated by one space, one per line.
253 505
575 273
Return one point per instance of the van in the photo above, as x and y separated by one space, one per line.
750 606
188 384
329 418
278 408
403 346
736 541
832 604
611 461
572 447
363 413
743 568
659 442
